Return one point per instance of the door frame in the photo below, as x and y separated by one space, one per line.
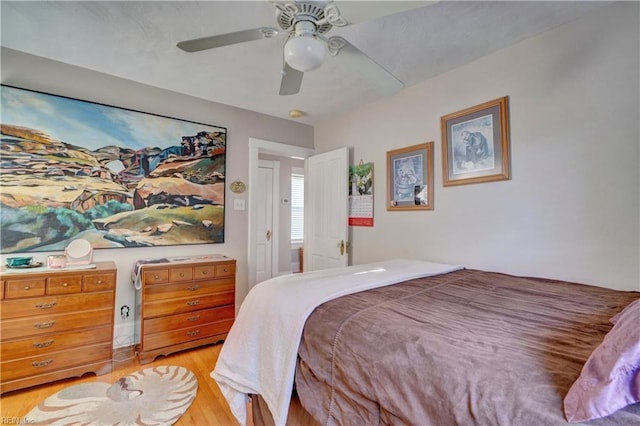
262 146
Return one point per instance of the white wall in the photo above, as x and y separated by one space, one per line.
36 73
571 209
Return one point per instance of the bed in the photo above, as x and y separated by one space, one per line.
448 346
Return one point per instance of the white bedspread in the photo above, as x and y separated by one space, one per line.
260 352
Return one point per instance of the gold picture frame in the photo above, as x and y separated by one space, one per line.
410 178
475 144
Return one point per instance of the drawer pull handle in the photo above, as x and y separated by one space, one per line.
195 318
44 324
193 288
27 287
157 277
39 364
193 333
99 281
65 285
193 302
181 274
46 305
41 345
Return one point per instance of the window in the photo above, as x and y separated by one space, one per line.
297 205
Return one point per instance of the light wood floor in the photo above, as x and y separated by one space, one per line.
209 407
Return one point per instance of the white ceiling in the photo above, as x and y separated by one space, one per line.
137 40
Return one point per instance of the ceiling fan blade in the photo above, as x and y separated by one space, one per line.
356 62
361 11
220 40
291 80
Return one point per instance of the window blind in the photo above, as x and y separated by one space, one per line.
297 208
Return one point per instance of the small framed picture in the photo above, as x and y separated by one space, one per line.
475 144
410 178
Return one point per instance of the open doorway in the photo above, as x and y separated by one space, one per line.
280 219
258 149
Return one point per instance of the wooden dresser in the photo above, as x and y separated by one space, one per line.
56 324
182 305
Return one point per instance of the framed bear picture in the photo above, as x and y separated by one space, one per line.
475 144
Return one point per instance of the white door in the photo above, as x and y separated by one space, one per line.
266 222
326 210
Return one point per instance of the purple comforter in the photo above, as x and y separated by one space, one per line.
464 348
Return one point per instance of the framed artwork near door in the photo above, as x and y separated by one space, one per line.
475 144
410 178
116 177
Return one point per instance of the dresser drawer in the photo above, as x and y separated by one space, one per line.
180 274
204 272
27 287
99 282
187 304
190 319
55 304
226 270
174 337
26 367
45 324
64 285
155 276
39 345
188 289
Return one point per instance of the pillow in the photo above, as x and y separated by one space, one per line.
610 379
629 307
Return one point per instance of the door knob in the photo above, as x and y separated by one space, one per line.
268 235
341 247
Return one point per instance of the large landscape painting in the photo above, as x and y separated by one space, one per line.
118 178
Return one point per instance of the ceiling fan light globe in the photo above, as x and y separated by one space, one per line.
304 53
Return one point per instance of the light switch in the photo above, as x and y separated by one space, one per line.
238 204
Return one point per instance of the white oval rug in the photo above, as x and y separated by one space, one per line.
152 396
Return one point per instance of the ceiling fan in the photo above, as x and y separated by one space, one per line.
306 23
